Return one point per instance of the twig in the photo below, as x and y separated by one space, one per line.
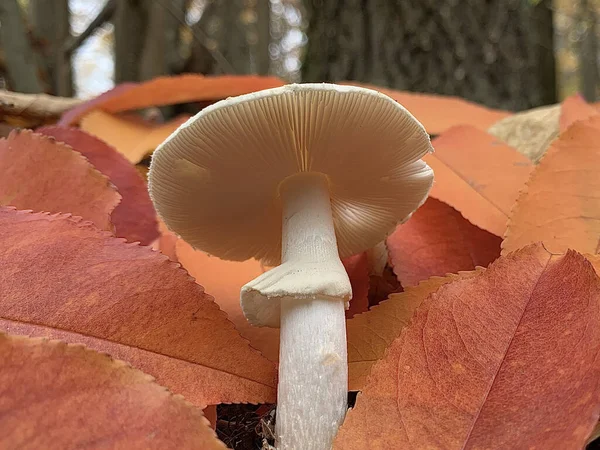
103 16
39 106
202 39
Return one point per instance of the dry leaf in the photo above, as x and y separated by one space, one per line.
166 241
506 359
438 113
560 204
478 175
164 91
436 241
370 333
529 132
59 396
134 218
41 174
133 138
573 109
71 117
63 279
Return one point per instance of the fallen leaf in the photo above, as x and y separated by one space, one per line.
529 132
72 116
41 174
133 138
438 113
438 240
477 175
560 205
224 280
573 109
166 241
371 333
56 395
61 278
134 218
507 358
163 91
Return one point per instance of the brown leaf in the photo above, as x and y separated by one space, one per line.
507 358
371 333
41 174
63 279
438 240
438 113
560 205
133 138
63 396
478 175
164 91
134 218
529 132
573 109
357 267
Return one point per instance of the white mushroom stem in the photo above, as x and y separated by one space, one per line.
313 365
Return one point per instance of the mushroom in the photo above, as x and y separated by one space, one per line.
298 177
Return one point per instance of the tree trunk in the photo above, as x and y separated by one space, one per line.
147 38
588 52
495 52
232 36
51 28
22 70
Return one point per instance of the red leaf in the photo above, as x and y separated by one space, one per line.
478 175
56 395
438 113
164 91
573 109
41 174
508 358
62 278
134 218
438 240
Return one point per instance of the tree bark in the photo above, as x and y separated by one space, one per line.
22 70
130 28
588 52
495 52
52 29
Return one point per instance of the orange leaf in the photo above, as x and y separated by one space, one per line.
436 241
370 333
134 218
64 279
164 91
560 205
134 139
478 175
575 108
41 174
166 242
224 280
507 358
438 113
65 396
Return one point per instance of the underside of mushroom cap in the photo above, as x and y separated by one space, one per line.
215 181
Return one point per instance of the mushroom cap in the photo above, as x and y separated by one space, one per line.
215 180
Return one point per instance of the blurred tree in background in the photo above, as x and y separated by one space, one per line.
513 54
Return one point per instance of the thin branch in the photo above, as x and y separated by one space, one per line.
39 106
103 16
201 39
